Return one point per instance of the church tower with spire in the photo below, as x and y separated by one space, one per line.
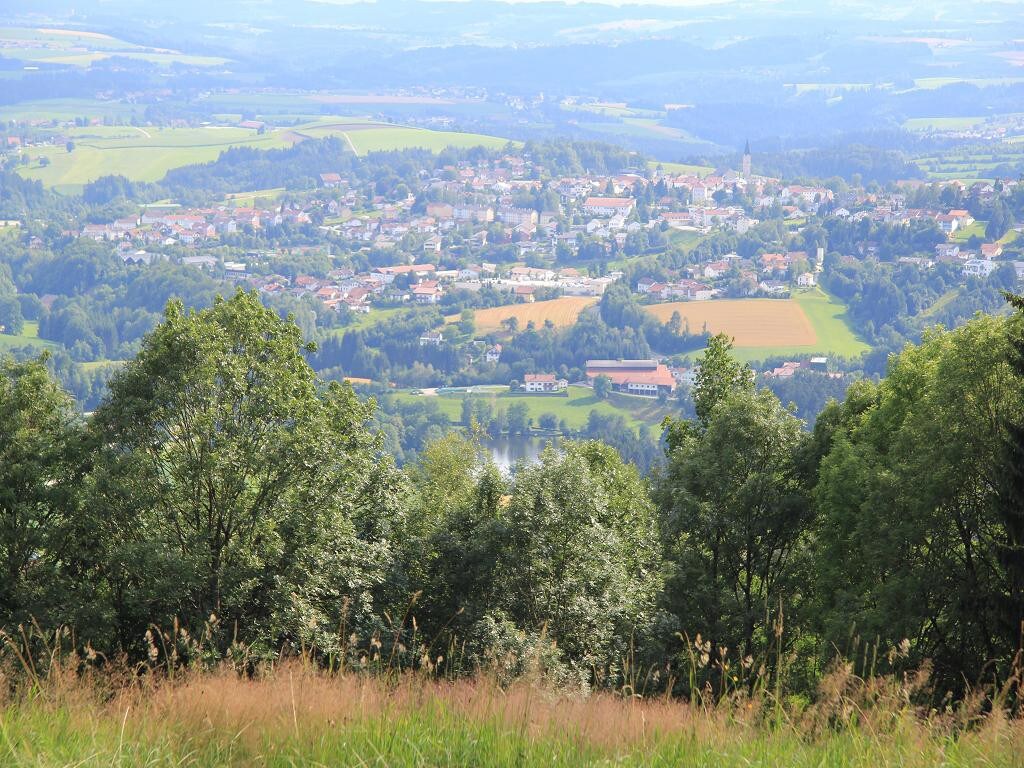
746 161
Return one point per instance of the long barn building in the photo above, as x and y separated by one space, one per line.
635 377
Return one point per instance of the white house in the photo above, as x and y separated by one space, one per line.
608 206
979 267
806 280
432 338
543 383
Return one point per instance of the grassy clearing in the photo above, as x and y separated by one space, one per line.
364 135
574 409
99 365
248 199
940 303
371 318
975 229
295 717
681 168
29 337
828 316
562 312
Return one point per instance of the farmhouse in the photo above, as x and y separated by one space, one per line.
543 383
636 377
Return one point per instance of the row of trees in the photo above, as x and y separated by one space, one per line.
221 488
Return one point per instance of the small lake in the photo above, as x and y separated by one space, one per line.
507 451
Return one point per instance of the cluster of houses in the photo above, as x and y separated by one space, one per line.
652 378
789 368
171 225
453 216
768 274
423 283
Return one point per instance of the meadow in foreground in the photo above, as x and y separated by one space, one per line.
296 715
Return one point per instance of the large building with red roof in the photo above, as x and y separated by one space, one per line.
635 377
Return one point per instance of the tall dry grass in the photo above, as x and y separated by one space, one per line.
65 709
295 713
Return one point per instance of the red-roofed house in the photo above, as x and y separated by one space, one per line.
426 292
991 250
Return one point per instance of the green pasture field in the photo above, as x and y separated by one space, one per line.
29 337
368 320
680 168
972 164
60 110
976 229
140 154
828 316
146 154
248 199
574 409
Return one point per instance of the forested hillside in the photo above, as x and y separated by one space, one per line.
222 499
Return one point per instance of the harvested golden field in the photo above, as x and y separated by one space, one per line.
562 312
752 322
